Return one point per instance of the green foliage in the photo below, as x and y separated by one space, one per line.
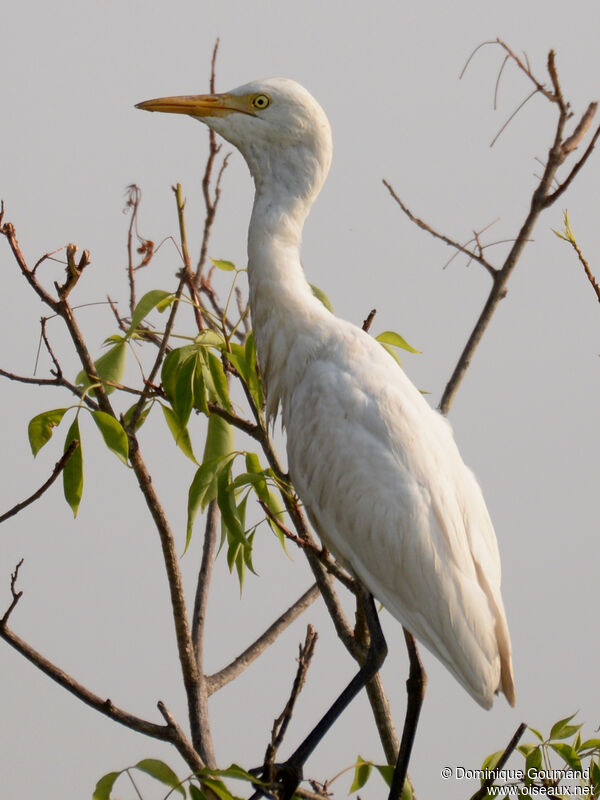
157 298
113 434
161 772
109 367
73 471
226 266
189 787
542 773
105 785
42 426
180 433
320 295
363 770
390 340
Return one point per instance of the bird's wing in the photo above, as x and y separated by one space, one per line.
384 484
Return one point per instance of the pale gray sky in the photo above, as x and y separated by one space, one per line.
525 418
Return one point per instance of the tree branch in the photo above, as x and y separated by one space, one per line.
251 653
198 625
167 733
483 791
280 725
58 468
210 203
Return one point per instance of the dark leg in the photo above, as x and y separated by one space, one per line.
415 687
289 774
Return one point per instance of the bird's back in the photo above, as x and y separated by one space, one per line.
384 484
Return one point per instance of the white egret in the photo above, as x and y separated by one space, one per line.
375 466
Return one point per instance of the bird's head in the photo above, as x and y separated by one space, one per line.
280 129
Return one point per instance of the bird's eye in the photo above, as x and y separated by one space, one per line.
260 101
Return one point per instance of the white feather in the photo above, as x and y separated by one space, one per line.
377 469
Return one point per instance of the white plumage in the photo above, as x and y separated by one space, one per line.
377 469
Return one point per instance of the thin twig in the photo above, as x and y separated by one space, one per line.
369 320
58 468
569 179
187 262
280 725
209 550
510 747
210 203
251 653
421 224
16 596
168 733
323 555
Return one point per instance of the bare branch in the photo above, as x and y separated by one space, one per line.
369 319
198 626
424 226
8 230
265 640
188 273
58 468
510 748
16 596
210 203
521 105
542 197
280 726
569 179
168 733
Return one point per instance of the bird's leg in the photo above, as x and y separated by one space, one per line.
415 688
289 774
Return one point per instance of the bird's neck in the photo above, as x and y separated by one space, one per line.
287 319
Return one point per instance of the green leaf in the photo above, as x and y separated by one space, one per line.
595 776
525 748
237 772
567 753
218 452
142 417
210 339
320 295
109 367
567 731
591 744
392 352
219 381
105 785
254 382
113 434
362 772
219 438
149 301
41 427
179 432
183 399
387 773
491 761
226 266
393 338
533 762
227 506
203 489
171 366
558 727
196 793
73 471
536 732
161 772
219 788
199 386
